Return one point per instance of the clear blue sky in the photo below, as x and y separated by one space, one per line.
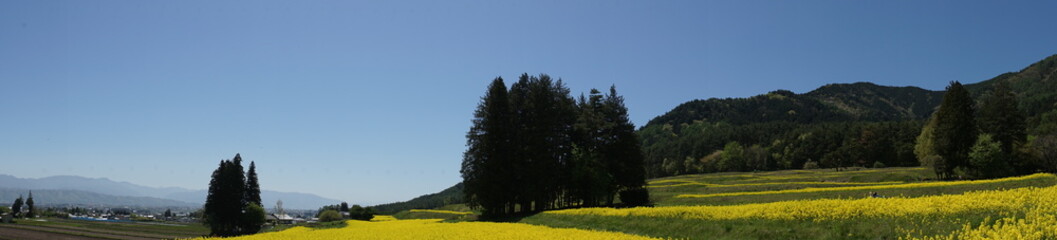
368 102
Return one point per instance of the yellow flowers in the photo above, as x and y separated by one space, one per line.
381 218
1002 202
439 211
680 183
1023 213
869 188
434 229
1039 222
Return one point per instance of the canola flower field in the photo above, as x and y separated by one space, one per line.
794 204
873 188
434 229
439 211
1015 213
1002 202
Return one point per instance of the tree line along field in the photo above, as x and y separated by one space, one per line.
791 204
56 228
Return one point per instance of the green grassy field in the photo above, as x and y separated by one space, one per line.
731 189
453 215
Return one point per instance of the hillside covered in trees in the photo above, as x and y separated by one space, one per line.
836 125
451 195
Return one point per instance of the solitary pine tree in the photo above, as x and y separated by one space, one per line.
253 187
29 204
955 130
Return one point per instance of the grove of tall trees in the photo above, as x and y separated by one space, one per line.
233 207
960 141
533 147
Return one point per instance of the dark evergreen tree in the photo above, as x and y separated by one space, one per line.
533 147
548 142
16 207
487 170
590 183
344 207
1000 118
253 187
955 130
623 151
29 204
218 212
226 203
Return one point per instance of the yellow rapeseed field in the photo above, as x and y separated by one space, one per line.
869 188
381 218
1039 222
1030 213
440 211
434 229
1002 202
691 183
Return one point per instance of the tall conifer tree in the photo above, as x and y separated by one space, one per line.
955 130
1000 117
486 166
29 204
624 150
253 187
16 207
227 202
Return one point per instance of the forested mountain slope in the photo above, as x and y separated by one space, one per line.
836 125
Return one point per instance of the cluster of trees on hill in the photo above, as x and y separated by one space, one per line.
835 126
343 211
451 195
985 140
533 147
704 147
31 209
233 206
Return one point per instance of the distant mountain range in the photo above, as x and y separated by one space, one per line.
106 192
44 197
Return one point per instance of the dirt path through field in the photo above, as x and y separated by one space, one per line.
31 232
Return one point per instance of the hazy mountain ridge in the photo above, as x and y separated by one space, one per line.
102 191
77 197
